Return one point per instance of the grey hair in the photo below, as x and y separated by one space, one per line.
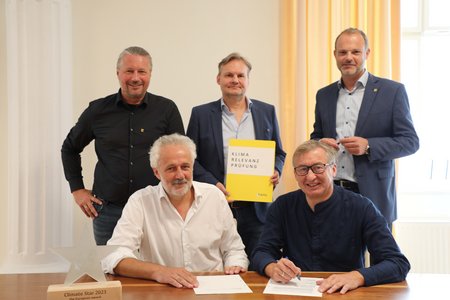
352 30
310 145
234 56
134 50
172 139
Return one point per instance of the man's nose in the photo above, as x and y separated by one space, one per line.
135 75
348 55
310 174
179 173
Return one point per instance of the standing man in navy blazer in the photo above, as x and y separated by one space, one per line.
234 116
367 119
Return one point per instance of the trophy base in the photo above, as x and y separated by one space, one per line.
108 290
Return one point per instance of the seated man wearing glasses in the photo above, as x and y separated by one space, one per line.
323 227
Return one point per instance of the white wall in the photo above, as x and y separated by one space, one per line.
186 38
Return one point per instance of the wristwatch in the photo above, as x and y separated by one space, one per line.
367 152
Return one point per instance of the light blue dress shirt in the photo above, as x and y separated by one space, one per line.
348 105
231 129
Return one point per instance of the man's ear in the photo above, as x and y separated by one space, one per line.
367 53
156 172
334 170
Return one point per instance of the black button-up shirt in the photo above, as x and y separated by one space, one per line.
331 238
123 136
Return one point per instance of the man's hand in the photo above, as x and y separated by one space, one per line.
275 178
84 200
178 277
330 142
355 145
344 282
234 270
224 191
282 271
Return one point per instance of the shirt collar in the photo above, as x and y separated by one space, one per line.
225 108
197 193
119 100
327 203
362 81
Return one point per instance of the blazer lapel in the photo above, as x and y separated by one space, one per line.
259 135
216 123
370 94
331 117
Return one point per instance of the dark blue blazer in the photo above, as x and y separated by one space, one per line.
385 120
205 129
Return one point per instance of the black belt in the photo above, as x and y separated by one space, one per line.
240 204
348 185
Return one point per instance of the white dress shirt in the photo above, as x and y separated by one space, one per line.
207 240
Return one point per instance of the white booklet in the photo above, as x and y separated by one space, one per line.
305 287
221 284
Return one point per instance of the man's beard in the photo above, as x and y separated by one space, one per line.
184 190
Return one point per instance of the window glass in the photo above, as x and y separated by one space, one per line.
424 178
410 15
438 14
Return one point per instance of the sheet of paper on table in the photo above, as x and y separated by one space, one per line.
221 284
305 287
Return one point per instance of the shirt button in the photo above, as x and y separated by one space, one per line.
131 163
131 180
131 146
131 129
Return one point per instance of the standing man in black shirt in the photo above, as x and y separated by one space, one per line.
124 126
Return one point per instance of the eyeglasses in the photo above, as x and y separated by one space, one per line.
316 169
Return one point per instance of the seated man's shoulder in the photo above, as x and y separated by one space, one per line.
207 190
357 200
289 198
147 193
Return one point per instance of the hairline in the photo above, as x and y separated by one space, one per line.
134 50
167 140
234 56
351 31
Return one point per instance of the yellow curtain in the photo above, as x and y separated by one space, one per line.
308 31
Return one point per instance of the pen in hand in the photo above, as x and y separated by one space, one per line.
299 277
